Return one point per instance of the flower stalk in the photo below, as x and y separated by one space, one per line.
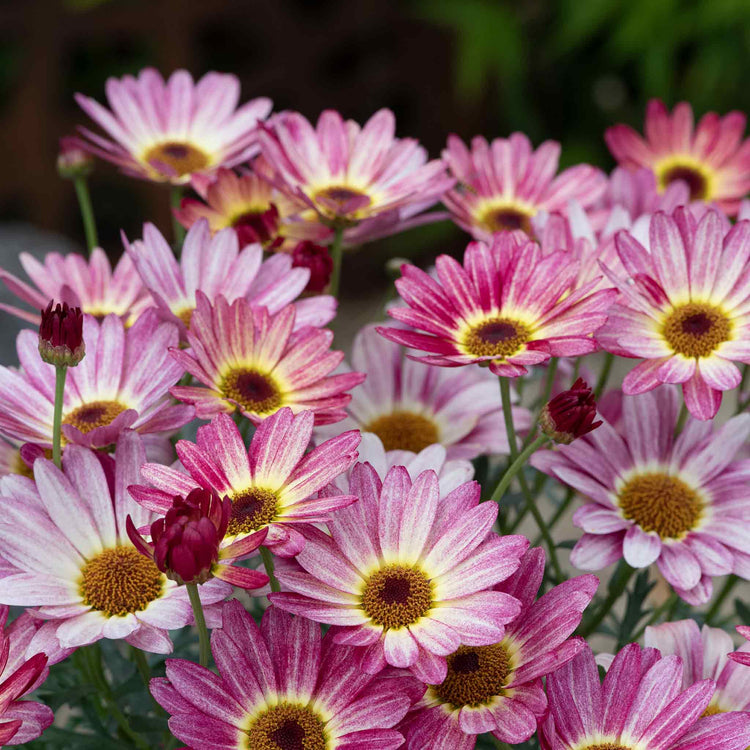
200 623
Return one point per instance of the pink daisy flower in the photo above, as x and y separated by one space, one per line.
166 131
497 688
89 284
65 535
272 485
252 207
681 503
121 382
216 265
410 405
502 185
638 706
683 307
281 686
509 306
348 174
741 656
704 654
406 575
255 362
711 159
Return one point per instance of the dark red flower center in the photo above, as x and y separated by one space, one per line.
92 415
396 596
693 178
696 329
497 337
287 727
182 158
254 391
507 219
252 509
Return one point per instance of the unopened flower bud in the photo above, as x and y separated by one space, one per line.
61 335
570 414
262 227
72 159
318 259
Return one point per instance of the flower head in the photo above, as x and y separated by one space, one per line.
497 688
508 305
570 414
65 536
281 686
73 160
257 363
683 308
502 185
406 575
639 706
679 502
317 259
166 131
272 486
712 159
742 656
61 335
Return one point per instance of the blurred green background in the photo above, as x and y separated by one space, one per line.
561 69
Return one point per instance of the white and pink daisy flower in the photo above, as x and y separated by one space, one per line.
704 653
64 534
684 307
272 485
509 305
678 502
121 383
255 362
281 685
346 174
502 185
89 284
406 575
410 405
215 265
712 159
497 688
639 706
166 131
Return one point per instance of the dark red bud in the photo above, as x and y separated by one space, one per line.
318 259
72 159
570 414
61 335
258 226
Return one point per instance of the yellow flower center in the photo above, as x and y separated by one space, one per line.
252 509
661 503
404 430
254 391
287 727
183 158
396 596
94 414
120 581
693 174
496 337
696 329
606 746
507 218
334 198
476 675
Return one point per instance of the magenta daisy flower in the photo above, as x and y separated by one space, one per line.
680 503
410 405
281 686
741 656
684 308
216 265
347 173
712 159
509 305
121 382
406 575
273 485
639 706
252 207
255 362
89 284
166 131
502 185
65 535
497 688
704 653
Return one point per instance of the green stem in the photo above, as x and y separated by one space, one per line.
510 431
549 382
267 557
200 622
87 212
60 373
726 589
576 370
601 383
179 231
742 405
337 253
558 514
617 586
681 420
514 468
655 615
141 663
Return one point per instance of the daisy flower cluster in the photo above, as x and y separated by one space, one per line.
221 529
